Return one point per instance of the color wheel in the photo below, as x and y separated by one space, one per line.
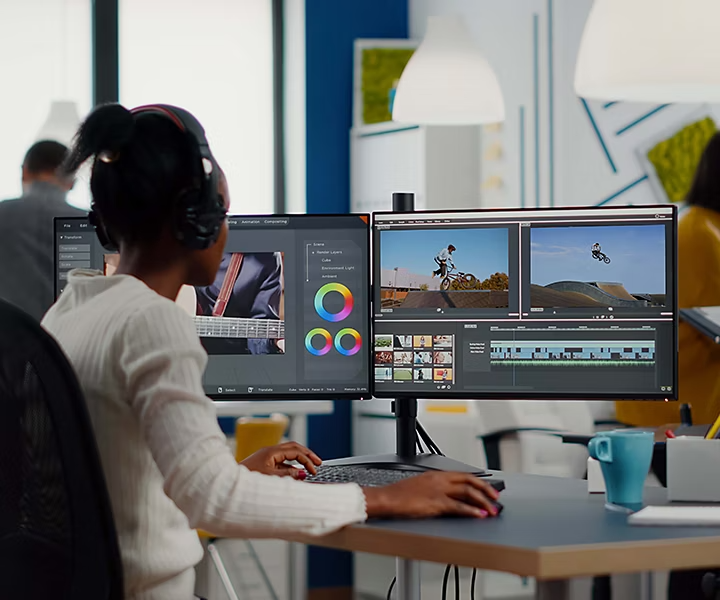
324 291
309 338
356 347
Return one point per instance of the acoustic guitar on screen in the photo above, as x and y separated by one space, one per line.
217 325
229 327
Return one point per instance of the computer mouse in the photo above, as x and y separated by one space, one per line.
498 506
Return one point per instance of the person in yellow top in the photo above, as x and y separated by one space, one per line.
698 285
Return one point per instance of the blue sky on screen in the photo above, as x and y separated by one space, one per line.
481 252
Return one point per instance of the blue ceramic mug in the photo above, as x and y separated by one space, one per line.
625 456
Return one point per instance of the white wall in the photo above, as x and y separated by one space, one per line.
215 61
294 106
45 56
505 31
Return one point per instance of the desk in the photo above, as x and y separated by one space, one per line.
551 529
298 411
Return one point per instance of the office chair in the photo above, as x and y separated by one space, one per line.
57 535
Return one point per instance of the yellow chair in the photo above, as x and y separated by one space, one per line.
251 434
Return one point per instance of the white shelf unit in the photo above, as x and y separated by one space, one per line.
441 165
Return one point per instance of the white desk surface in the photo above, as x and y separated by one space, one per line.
249 408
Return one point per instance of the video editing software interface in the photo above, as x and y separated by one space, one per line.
561 303
289 311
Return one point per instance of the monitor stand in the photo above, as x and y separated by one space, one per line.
406 459
405 410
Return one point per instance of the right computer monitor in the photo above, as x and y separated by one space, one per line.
570 303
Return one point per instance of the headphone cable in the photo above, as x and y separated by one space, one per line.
390 589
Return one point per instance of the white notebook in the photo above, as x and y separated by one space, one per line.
711 312
683 516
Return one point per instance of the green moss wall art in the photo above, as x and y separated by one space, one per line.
676 158
381 70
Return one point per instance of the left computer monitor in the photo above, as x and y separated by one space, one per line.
288 315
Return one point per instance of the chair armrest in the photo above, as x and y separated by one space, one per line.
612 423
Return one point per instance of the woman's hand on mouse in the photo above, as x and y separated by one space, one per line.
273 461
432 495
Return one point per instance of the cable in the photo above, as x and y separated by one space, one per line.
457 582
420 437
428 440
445 582
422 434
390 589
472 584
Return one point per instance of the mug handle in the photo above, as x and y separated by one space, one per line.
600 448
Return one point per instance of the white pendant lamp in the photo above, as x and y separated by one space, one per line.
650 51
448 81
61 124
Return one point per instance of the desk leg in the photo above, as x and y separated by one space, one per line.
552 590
408 579
298 552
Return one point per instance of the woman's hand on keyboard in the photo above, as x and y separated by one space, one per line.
273 461
432 495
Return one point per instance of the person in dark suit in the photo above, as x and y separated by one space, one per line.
26 229
256 294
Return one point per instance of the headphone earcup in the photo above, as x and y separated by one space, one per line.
103 236
196 226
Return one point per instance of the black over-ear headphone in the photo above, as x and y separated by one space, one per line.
199 210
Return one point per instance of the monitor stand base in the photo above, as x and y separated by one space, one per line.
419 462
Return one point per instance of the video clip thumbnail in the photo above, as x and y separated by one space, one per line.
598 266
464 268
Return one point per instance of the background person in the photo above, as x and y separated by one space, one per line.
698 285
699 356
27 248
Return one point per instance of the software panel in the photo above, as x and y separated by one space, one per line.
560 303
289 312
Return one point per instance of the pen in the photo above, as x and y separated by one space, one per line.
713 431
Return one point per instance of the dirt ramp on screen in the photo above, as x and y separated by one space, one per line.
615 289
582 293
452 299
545 297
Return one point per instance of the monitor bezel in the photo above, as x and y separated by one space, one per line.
287 395
563 396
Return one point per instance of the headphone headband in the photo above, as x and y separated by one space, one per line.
199 211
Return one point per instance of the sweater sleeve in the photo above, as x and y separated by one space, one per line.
162 361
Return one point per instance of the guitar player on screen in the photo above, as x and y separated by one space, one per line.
247 286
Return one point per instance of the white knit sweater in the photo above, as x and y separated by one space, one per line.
167 464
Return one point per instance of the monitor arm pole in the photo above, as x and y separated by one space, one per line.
405 409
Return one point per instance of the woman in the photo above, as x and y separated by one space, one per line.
140 364
698 285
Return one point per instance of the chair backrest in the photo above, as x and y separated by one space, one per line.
57 535
527 447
